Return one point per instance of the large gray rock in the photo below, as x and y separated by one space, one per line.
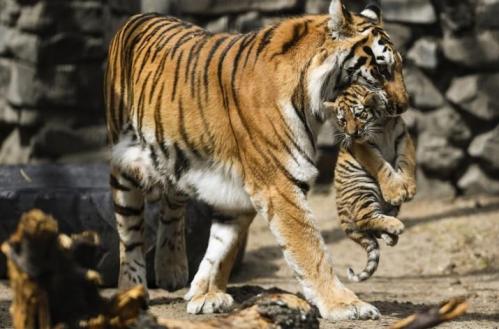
217 7
424 53
38 17
456 16
24 46
157 6
6 34
487 12
9 12
13 150
486 148
423 92
413 119
218 25
23 89
480 49
446 122
436 155
477 94
413 11
250 21
317 6
5 73
22 117
61 85
475 181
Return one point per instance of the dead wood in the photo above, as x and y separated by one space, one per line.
447 311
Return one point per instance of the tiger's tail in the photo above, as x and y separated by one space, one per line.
370 244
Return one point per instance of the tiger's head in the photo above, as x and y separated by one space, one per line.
367 56
358 113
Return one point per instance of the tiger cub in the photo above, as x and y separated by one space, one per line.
362 210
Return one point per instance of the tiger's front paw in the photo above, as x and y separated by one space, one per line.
211 302
355 310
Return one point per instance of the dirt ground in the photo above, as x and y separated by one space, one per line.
450 248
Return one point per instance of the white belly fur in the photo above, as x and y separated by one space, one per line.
221 188
217 187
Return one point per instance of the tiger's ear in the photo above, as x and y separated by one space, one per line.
339 17
373 11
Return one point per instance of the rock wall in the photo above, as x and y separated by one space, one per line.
52 55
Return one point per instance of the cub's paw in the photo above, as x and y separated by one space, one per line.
212 302
394 192
411 190
357 310
386 227
393 226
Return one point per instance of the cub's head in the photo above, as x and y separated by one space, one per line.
368 55
358 114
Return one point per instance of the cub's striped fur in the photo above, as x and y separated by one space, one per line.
232 119
364 214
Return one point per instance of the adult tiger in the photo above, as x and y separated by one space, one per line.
232 119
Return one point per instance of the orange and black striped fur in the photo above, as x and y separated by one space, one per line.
232 119
364 215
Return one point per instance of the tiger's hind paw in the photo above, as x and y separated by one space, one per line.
390 239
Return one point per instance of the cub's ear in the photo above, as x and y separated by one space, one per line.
340 18
373 12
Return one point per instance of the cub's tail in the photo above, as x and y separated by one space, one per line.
371 246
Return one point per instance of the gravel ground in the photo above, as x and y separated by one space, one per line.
450 248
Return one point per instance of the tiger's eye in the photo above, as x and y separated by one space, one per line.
364 115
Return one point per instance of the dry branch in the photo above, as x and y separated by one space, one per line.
447 311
